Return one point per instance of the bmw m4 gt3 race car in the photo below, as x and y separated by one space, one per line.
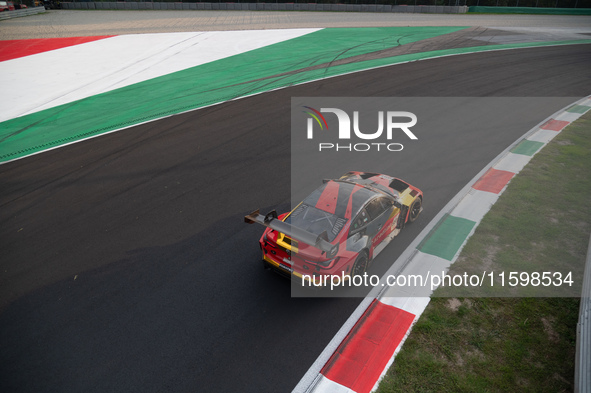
339 228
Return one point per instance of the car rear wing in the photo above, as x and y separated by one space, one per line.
270 220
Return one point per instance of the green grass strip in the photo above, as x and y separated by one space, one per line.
501 345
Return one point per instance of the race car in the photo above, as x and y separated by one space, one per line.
339 228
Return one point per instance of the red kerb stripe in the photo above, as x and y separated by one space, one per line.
554 125
493 180
365 352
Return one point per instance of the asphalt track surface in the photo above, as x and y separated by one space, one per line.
125 262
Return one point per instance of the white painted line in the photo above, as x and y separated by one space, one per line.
423 264
543 136
408 298
413 305
568 116
475 205
325 385
512 162
586 102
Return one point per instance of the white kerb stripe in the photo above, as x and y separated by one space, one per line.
325 385
543 136
512 162
475 205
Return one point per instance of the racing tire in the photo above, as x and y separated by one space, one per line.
415 210
360 265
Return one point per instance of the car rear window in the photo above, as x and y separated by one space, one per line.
316 221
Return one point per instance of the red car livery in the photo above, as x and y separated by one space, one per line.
339 228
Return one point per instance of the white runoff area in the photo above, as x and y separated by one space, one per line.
48 79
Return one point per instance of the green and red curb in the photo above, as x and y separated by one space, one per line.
365 347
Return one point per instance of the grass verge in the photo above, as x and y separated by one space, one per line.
504 344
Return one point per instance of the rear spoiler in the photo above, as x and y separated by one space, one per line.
270 220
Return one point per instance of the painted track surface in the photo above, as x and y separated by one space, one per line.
137 85
130 268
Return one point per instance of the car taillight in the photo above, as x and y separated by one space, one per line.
268 243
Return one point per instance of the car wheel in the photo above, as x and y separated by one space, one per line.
415 210
360 265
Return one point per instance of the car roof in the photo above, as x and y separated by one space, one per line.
341 198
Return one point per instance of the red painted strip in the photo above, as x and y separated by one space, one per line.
13 49
349 211
555 125
493 180
380 180
365 352
328 199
